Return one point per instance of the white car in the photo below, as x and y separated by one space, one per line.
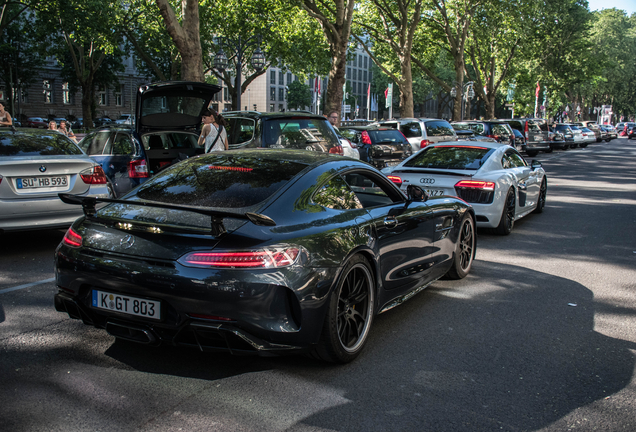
349 149
493 178
579 139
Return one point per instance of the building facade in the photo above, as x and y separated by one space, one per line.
49 96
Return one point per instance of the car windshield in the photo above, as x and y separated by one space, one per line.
411 129
37 144
450 157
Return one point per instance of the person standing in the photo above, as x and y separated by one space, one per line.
5 117
213 134
333 119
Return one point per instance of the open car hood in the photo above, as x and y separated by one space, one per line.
172 105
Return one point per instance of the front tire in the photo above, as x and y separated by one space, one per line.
543 193
464 250
349 315
508 214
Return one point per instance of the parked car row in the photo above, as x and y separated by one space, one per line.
275 246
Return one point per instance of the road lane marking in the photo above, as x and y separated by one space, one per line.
6 290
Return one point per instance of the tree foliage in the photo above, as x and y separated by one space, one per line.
298 95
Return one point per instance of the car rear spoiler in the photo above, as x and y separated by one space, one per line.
216 217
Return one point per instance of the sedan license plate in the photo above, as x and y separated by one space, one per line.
434 192
537 138
127 304
41 182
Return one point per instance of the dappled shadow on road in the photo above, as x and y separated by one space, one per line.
516 354
461 356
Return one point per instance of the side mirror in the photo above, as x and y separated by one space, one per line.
535 164
416 193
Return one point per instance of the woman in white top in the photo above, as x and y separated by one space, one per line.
213 134
5 117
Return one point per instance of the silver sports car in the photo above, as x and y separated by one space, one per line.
37 165
493 178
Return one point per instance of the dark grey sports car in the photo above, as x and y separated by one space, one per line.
259 251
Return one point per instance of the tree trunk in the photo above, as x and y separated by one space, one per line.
186 37
88 99
406 87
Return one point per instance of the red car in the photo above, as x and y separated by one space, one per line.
36 122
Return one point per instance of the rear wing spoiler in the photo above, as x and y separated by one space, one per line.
216 216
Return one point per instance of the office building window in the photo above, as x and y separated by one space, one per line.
365 76
360 61
281 94
365 62
348 73
119 96
281 107
272 77
281 78
272 107
272 93
102 96
66 93
47 89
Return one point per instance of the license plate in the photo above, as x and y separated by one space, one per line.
41 182
392 163
127 304
434 192
538 138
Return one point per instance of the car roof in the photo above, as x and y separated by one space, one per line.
468 143
273 115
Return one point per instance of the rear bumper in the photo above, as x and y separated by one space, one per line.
206 336
537 145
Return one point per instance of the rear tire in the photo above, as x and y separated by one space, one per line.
349 314
508 214
532 153
464 250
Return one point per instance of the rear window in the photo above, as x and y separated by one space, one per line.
218 181
240 130
450 157
32 144
515 124
477 128
95 143
533 127
411 130
299 133
387 136
500 130
439 128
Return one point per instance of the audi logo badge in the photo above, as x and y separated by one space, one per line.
427 180
42 168
127 242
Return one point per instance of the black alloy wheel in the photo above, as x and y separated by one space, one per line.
508 214
543 193
349 314
464 250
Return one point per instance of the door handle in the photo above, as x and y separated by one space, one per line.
390 222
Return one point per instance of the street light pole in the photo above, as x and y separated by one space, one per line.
467 92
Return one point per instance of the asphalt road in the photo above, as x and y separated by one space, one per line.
541 336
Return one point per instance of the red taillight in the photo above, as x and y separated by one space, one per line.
72 239
526 131
230 168
1 179
495 137
366 139
336 150
424 143
94 175
265 258
395 179
474 184
138 169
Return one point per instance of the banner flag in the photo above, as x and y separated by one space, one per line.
536 93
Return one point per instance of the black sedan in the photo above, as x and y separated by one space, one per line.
259 251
